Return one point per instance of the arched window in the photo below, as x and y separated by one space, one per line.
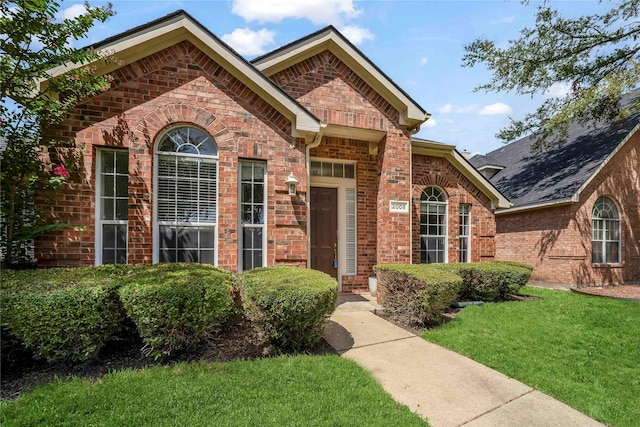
186 183
433 226
605 232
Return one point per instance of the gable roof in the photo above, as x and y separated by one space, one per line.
449 152
558 175
179 26
328 38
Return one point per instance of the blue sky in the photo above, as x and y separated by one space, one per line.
418 44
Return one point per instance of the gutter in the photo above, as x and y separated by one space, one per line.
535 206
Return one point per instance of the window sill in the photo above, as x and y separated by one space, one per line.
604 265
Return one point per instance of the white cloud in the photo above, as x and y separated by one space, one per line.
557 90
423 61
495 109
457 109
71 12
249 42
317 11
504 20
355 34
431 123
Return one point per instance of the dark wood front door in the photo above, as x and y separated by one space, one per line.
324 230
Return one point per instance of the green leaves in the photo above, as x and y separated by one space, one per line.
597 57
34 41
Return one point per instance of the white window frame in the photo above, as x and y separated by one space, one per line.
344 186
446 223
461 215
242 226
157 224
99 222
605 231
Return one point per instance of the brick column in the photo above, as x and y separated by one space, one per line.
394 183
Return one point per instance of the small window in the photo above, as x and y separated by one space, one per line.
605 232
464 233
112 206
333 169
433 226
252 213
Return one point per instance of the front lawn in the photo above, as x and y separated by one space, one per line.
283 391
582 350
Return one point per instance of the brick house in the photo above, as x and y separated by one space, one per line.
303 157
576 212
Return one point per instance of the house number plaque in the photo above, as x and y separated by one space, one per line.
398 206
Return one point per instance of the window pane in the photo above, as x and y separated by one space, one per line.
258 193
258 172
596 253
108 256
121 256
247 196
107 209
107 161
207 257
122 185
122 209
327 169
188 255
246 171
167 237
338 170
247 260
122 163
612 252
349 171
109 236
315 169
188 238
168 256
107 185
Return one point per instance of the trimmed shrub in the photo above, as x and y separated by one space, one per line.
174 306
289 305
491 281
62 313
416 294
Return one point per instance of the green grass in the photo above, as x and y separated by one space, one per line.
283 391
582 350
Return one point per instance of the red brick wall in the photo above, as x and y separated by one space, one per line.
557 240
336 95
428 171
180 85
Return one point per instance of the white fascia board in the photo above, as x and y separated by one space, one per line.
154 39
410 113
536 206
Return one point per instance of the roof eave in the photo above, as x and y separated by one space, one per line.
182 27
536 206
436 149
411 114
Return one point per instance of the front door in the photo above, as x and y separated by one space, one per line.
324 230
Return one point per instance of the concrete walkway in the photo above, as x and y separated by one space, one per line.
442 386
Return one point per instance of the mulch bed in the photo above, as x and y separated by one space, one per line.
613 291
21 372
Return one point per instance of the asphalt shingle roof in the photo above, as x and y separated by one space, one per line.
556 174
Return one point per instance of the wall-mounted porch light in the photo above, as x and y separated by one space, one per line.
291 183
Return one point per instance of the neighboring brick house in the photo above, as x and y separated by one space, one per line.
302 157
576 213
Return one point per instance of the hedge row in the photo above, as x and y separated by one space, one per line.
418 294
69 313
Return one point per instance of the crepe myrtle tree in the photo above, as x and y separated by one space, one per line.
36 37
596 57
